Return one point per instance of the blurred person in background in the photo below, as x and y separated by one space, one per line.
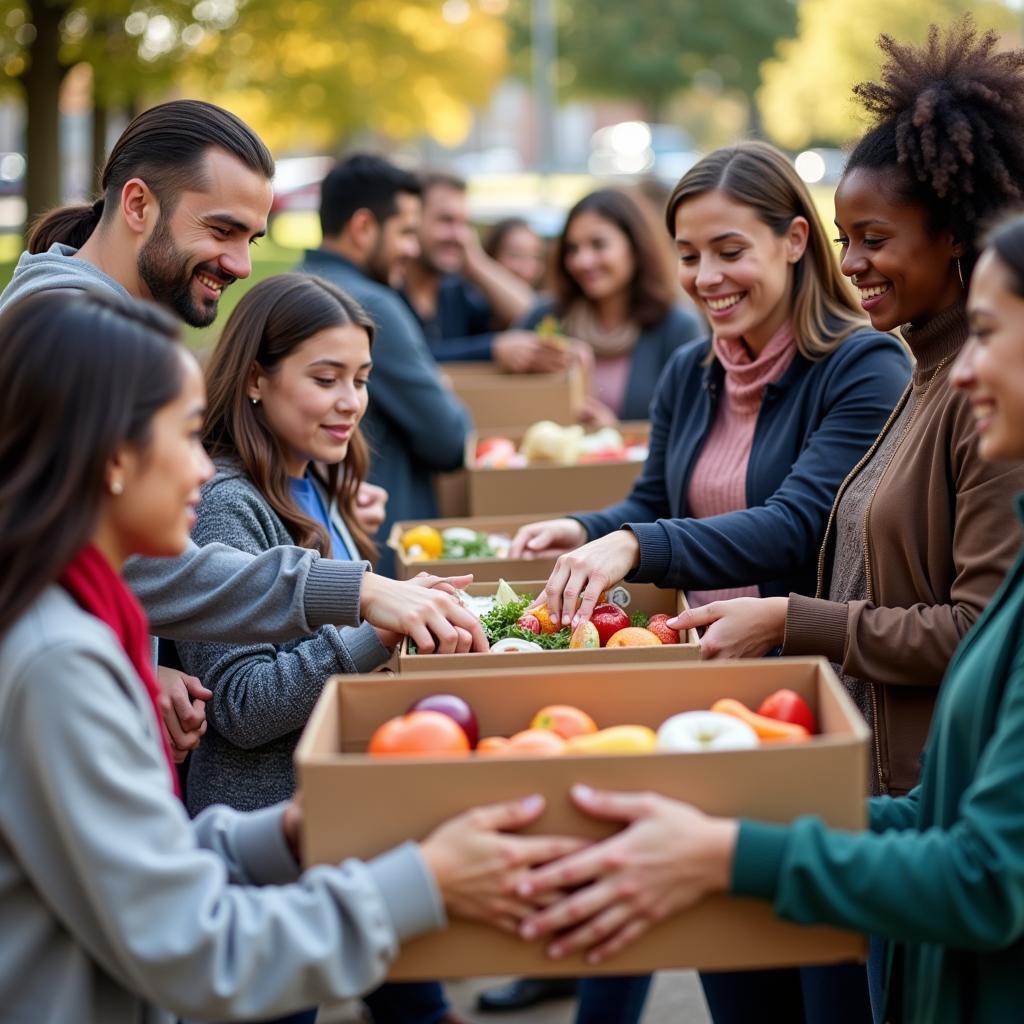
615 292
370 216
462 298
518 248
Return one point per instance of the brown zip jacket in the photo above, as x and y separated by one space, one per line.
940 534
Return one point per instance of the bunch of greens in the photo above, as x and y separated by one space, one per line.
501 622
479 547
639 619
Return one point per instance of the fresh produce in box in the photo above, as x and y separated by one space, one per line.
455 708
546 443
444 724
789 706
705 730
424 543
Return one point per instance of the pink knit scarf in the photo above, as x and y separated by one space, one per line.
745 378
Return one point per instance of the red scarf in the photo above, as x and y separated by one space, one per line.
92 582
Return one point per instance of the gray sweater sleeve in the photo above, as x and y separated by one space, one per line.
219 593
85 801
262 692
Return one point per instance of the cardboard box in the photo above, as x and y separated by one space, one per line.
644 597
485 570
549 490
502 400
359 806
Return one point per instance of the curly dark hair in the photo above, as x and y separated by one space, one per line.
950 115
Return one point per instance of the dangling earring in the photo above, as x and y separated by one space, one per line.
960 273
116 488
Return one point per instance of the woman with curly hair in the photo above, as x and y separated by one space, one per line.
922 530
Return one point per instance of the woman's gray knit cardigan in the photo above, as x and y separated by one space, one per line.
262 693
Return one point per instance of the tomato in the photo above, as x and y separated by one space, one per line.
609 619
425 733
788 706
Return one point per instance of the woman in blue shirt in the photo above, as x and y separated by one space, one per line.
287 387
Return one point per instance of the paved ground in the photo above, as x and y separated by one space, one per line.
675 999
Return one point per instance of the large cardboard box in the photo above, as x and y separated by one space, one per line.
359 806
643 597
502 400
483 569
549 490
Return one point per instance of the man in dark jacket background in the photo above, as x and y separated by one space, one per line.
369 214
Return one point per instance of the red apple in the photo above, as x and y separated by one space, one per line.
455 708
609 619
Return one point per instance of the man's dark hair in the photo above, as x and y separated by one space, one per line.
362 182
164 146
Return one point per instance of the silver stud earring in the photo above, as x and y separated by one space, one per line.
116 488
255 401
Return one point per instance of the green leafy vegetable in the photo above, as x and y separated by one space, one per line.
480 547
639 619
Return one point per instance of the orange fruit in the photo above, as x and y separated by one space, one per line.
489 746
535 741
543 616
420 732
565 720
422 543
633 636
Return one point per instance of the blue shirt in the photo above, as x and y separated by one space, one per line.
307 497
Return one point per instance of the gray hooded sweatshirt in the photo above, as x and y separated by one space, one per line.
215 592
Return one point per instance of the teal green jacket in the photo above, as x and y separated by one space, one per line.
941 871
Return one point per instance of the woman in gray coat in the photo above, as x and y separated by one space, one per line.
114 907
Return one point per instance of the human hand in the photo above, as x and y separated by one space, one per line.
595 414
446 584
184 710
745 627
371 502
585 574
433 618
548 538
669 857
477 866
514 351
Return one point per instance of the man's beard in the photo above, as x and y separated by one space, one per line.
164 269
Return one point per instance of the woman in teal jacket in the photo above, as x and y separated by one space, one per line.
940 871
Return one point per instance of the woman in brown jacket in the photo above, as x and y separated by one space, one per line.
922 531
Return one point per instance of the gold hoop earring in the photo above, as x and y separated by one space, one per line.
116 488
960 273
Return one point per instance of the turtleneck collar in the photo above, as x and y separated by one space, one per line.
937 339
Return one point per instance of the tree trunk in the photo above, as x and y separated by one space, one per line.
42 80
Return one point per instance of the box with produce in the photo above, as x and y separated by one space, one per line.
629 624
549 469
453 547
383 760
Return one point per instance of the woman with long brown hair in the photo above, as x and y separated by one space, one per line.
287 386
613 291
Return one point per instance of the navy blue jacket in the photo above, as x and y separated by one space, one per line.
653 350
462 326
415 427
814 425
